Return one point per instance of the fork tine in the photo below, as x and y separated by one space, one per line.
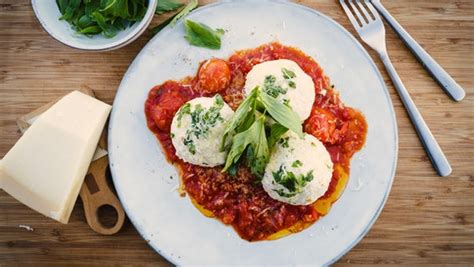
372 9
356 11
364 10
349 15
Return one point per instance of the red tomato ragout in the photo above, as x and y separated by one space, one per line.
240 201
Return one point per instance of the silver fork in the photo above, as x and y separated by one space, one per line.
372 32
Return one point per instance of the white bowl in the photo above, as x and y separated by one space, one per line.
48 15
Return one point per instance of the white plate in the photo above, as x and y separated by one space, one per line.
170 223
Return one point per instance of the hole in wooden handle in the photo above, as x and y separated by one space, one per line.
92 185
107 216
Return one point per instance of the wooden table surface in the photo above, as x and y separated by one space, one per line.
427 219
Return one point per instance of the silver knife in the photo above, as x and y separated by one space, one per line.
449 85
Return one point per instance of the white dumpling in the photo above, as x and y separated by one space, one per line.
197 130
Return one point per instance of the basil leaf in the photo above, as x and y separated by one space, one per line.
282 113
258 152
91 6
107 30
188 8
199 34
62 5
241 140
110 16
137 9
276 131
91 30
116 8
84 22
240 115
70 9
164 6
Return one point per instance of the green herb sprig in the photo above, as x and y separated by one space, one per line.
248 131
292 182
199 34
164 6
107 17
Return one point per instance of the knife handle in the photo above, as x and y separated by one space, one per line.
449 85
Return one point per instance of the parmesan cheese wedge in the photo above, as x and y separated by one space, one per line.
45 169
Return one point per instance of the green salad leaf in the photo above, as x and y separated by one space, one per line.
164 6
246 132
276 131
199 34
255 138
241 114
282 113
107 17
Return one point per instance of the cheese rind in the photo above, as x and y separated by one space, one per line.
46 167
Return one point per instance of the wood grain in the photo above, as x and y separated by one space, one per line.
427 219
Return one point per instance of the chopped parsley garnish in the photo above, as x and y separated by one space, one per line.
284 142
292 84
271 88
293 183
202 120
297 163
288 74
188 142
184 110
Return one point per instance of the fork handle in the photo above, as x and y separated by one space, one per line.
436 155
450 86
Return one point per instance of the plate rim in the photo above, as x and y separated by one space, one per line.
317 13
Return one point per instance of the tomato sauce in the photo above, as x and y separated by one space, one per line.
240 201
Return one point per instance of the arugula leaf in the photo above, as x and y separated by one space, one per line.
240 115
164 6
282 113
199 34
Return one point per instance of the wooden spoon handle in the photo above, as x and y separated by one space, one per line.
96 193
